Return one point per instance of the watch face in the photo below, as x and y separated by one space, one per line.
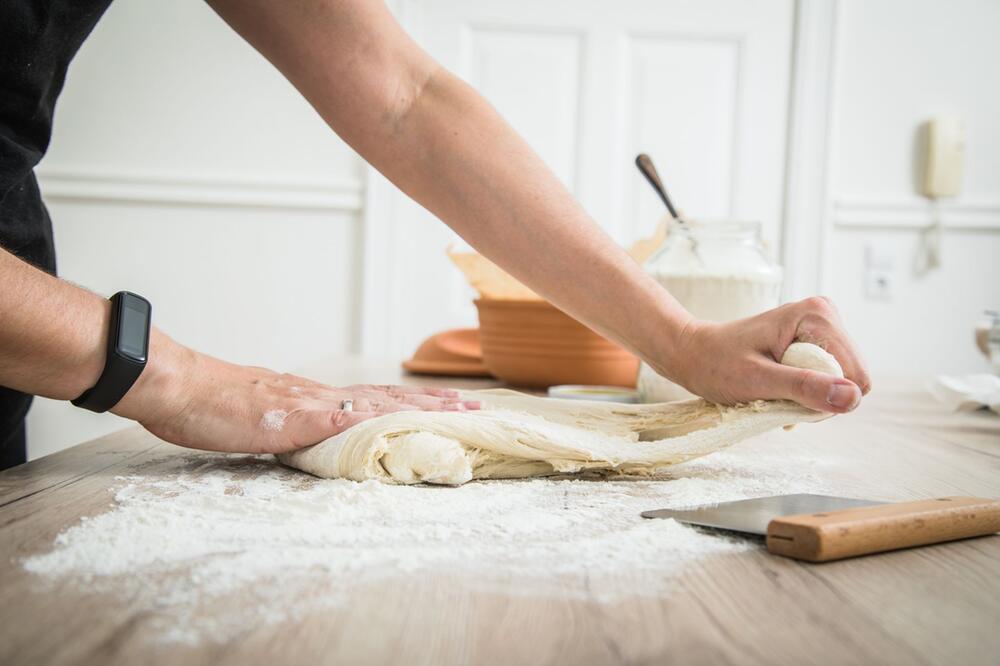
133 327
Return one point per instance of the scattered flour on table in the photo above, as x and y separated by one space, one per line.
192 538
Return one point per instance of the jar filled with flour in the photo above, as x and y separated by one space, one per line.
719 270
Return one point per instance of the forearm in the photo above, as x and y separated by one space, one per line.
53 338
52 333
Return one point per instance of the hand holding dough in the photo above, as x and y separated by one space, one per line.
516 435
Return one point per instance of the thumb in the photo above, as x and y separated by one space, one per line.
812 389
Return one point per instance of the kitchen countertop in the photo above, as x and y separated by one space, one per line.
938 604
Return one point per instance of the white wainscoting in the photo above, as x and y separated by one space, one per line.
265 191
917 213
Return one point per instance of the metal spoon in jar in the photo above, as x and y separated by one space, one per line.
645 164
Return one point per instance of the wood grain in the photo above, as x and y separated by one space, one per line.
932 605
835 535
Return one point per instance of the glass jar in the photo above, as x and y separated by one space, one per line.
719 270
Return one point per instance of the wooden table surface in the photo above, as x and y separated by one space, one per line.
933 605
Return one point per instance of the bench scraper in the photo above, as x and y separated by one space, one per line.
820 528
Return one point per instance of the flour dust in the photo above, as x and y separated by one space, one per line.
190 535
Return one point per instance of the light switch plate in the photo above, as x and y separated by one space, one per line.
945 157
880 273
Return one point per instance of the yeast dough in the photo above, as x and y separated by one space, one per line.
516 435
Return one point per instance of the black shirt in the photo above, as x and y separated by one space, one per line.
38 39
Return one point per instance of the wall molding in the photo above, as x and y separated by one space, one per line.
810 151
915 213
172 189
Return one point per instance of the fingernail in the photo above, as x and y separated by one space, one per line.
473 405
842 396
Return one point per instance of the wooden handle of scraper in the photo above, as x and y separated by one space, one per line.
834 535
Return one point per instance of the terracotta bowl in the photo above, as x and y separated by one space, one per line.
532 343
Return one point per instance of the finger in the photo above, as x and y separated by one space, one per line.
815 390
850 360
441 393
837 343
306 427
396 407
411 390
434 404
825 329
381 405
468 406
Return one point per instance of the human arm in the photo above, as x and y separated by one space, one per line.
445 146
53 336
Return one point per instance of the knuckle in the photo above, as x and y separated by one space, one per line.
803 382
820 304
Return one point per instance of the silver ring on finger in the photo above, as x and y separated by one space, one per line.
347 405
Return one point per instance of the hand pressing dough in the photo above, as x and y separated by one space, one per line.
516 435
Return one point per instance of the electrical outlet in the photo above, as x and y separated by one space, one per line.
878 284
880 275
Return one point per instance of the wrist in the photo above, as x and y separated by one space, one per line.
677 329
159 392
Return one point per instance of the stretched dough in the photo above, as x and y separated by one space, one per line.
517 435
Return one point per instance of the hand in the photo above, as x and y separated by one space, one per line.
738 361
201 402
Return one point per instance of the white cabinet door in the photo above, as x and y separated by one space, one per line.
700 86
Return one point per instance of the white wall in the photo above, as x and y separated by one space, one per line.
898 63
185 168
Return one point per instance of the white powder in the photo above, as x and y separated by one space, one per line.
190 533
273 420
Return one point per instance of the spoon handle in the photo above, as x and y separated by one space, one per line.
645 165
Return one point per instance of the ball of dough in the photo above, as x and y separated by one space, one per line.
808 356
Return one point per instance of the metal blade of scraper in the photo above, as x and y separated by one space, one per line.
752 516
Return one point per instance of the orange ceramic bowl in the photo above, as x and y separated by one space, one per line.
534 344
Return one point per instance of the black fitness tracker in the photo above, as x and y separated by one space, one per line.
128 348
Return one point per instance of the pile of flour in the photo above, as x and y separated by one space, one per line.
192 532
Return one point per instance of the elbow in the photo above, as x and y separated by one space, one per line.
409 92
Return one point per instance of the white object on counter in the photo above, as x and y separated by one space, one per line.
967 393
589 392
730 277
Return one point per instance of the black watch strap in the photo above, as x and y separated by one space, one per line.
127 352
